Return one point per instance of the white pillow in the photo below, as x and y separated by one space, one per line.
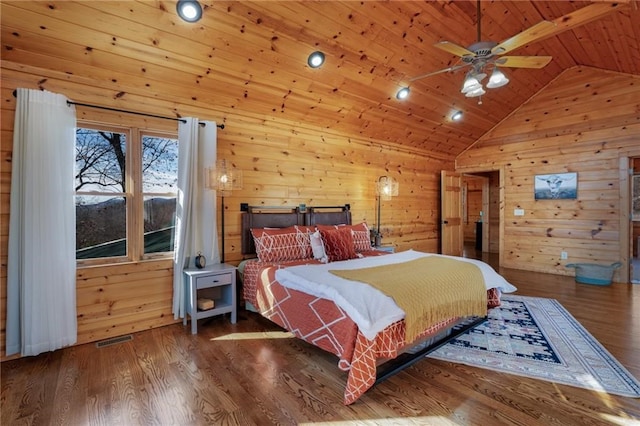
317 246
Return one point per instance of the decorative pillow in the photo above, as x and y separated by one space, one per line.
361 237
317 246
327 227
283 244
338 244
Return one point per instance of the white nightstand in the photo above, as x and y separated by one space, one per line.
390 249
215 282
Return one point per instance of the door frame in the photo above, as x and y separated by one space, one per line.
485 202
626 220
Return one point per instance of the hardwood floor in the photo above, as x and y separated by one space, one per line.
252 373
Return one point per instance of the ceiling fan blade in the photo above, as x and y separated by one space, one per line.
454 68
547 29
523 61
447 46
539 31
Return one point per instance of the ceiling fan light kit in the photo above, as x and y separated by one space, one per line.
479 91
497 79
470 84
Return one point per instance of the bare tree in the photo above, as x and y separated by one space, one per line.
100 159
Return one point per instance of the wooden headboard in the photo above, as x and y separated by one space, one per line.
282 217
329 215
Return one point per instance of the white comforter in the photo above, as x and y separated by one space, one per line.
369 308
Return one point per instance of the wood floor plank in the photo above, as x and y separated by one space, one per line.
251 373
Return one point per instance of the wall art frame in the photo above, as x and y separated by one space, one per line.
556 186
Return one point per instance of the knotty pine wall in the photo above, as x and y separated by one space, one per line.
585 121
284 163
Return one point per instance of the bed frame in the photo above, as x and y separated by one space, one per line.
281 217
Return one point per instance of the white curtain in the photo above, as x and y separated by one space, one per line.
196 205
41 272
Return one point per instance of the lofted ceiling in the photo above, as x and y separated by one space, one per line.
247 57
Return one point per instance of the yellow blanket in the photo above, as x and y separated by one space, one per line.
429 289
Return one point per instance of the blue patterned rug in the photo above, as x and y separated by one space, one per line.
538 338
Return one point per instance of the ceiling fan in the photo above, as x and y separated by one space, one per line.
484 56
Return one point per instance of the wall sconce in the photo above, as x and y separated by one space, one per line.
386 187
224 179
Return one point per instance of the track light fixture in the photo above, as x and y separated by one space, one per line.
189 10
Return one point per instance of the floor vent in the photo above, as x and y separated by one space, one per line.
114 341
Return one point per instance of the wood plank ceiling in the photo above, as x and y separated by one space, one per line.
250 58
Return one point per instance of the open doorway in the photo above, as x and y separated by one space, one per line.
481 214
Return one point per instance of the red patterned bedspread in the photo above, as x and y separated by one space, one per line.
323 324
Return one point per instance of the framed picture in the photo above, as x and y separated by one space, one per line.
635 198
559 186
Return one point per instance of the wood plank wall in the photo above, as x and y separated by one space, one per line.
584 122
284 163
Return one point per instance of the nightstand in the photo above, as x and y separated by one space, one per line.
390 249
215 282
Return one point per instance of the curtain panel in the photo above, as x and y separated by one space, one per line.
196 230
41 271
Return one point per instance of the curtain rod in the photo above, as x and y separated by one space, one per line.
221 126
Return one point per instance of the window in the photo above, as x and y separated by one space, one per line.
126 184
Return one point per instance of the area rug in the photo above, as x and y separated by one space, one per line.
538 338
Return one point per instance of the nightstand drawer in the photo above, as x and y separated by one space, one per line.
213 280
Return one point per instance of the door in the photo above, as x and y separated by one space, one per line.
451 230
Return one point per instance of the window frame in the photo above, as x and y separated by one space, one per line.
133 195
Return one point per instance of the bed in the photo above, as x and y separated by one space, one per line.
282 285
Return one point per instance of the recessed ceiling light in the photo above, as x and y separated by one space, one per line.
189 10
316 59
403 93
456 116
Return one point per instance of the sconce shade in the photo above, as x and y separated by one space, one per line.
387 187
223 177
